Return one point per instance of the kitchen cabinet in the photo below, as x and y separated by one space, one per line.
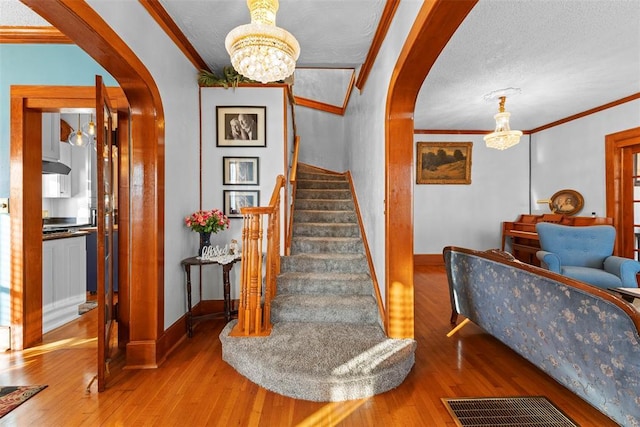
63 280
51 136
56 185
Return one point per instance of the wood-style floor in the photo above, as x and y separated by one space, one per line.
195 387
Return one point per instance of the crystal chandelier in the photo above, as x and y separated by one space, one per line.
503 137
260 50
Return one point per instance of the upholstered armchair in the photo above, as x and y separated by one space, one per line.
585 254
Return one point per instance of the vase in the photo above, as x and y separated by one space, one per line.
205 240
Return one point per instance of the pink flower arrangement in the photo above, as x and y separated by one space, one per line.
207 221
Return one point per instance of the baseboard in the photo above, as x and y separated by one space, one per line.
428 259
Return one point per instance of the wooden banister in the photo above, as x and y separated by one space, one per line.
254 312
293 183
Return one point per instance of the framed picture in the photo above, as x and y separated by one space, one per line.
241 126
443 162
236 199
240 171
568 202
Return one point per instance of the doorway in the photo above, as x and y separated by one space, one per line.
623 189
27 105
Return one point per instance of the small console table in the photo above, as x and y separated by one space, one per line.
226 268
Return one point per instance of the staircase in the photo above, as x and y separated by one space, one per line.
327 342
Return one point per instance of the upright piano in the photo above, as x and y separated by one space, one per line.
524 239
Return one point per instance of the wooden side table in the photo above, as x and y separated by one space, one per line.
226 268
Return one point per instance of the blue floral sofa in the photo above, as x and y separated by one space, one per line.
585 337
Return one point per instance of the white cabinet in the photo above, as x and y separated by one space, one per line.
56 185
51 136
64 280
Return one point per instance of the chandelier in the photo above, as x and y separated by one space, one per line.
260 50
503 137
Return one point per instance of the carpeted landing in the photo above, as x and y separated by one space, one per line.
321 362
327 343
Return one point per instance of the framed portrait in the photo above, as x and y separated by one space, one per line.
567 202
234 200
240 171
443 162
241 126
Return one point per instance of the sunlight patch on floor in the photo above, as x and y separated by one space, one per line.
332 413
368 360
67 343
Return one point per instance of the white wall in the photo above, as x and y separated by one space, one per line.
471 216
323 142
364 127
572 156
271 164
176 79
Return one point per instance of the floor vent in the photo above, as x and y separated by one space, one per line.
507 411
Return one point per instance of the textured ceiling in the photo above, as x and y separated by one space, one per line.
331 33
565 56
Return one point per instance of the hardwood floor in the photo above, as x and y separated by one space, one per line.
194 387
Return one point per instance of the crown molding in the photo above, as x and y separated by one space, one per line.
381 32
31 35
168 25
612 104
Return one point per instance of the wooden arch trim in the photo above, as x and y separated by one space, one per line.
78 21
435 24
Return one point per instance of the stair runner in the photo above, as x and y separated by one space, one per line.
327 343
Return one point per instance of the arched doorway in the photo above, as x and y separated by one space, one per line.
435 24
79 22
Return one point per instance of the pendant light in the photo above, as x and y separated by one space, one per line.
90 128
78 138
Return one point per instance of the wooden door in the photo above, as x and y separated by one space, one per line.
623 189
105 142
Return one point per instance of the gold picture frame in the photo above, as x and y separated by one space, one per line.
566 202
443 162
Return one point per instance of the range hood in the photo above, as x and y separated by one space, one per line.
49 167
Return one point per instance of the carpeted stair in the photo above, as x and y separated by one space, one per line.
327 342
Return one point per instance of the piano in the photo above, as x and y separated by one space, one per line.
523 239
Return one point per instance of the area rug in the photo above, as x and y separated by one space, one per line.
87 306
13 396
506 411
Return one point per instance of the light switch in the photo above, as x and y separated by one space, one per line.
4 205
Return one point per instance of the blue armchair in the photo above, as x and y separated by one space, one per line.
585 254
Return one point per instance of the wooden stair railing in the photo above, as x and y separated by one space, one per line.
254 313
293 186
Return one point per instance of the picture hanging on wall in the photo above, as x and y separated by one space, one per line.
234 200
443 162
240 171
241 126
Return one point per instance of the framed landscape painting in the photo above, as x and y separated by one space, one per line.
443 162
241 126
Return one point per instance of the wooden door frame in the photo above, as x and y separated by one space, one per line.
146 347
27 105
619 150
435 24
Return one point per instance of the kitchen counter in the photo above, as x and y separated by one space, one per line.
63 235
